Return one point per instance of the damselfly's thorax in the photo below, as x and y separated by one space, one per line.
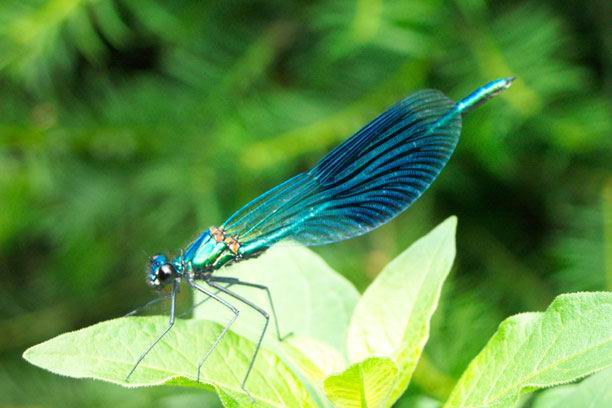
232 243
212 250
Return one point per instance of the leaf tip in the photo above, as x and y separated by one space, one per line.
28 355
451 222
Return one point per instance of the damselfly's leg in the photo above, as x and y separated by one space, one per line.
201 302
170 324
225 329
148 304
263 332
235 281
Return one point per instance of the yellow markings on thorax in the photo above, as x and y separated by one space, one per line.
231 243
217 233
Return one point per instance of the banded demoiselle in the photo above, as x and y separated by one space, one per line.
360 185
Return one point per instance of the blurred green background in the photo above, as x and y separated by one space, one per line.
127 127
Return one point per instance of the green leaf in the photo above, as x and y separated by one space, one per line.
393 316
311 299
571 339
108 350
363 385
594 392
315 359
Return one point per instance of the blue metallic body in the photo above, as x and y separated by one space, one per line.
363 183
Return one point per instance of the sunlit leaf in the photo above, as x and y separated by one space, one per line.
594 392
393 316
571 339
313 302
310 298
367 384
107 351
315 359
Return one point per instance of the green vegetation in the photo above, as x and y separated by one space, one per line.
386 336
126 127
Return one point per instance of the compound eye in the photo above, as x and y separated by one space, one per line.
158 259
165 272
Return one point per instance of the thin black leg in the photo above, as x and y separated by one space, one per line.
263 332
200 303
225 329
170 324
235 281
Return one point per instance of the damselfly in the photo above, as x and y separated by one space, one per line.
360 185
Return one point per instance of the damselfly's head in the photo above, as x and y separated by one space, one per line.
161 272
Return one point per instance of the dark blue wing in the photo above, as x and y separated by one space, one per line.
361 184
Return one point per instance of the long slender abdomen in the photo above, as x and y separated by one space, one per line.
473 100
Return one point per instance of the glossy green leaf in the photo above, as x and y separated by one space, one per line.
571 339
393 316
315 359
367 384
594 392
107 351
311 299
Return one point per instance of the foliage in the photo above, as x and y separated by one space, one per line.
595 391
386 335
126 127
571 339
315 300
109 354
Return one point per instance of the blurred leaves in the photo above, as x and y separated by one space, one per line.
128 126
41 39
